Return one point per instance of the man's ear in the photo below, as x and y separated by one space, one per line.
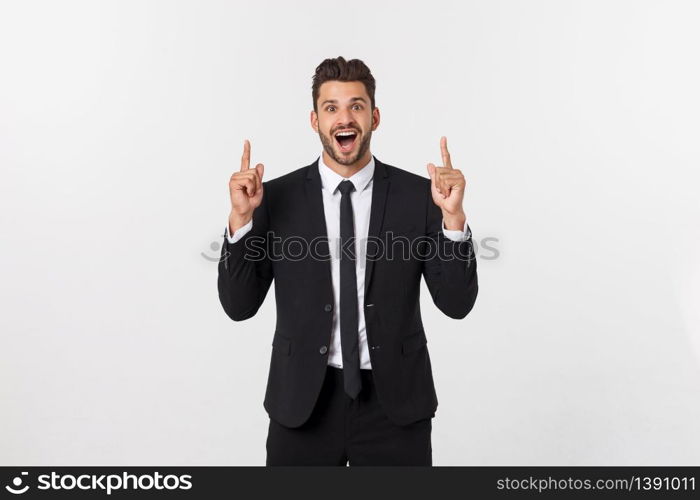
314 121
375 118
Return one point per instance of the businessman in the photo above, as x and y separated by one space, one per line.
346 240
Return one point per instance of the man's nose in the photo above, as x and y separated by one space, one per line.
345 120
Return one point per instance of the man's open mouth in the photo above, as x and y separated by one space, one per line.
346 139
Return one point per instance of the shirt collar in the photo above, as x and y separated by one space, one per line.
330 179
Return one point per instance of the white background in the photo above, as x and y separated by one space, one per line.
575 123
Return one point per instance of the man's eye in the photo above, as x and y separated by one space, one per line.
358 106
330 108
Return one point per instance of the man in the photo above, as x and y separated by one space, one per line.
350 378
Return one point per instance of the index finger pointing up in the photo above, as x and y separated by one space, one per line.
245 159
445 154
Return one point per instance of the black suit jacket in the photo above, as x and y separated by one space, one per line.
292 211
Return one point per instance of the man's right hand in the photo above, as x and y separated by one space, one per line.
246 191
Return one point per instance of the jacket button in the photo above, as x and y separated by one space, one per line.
327 307
323 349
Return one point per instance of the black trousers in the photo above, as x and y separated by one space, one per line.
342 430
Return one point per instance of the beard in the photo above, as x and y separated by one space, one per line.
329 145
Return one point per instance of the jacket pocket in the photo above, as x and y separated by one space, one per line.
281 344
414 342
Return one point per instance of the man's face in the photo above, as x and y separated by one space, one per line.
345 121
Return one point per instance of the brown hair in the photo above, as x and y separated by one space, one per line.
341 70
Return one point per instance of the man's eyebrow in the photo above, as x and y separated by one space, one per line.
334 101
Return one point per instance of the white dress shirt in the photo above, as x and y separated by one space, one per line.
361 199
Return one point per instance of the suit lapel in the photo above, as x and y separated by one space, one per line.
380 188
314 201
317 220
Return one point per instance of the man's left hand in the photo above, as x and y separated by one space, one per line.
447 185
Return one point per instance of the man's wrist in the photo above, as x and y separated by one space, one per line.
454 222
237 221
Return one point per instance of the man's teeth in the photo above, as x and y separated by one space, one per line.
342 134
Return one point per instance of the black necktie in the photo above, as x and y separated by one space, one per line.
349 322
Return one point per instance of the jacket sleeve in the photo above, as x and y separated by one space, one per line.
245 268
449 267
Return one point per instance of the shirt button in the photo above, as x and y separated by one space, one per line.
327 307
323 349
